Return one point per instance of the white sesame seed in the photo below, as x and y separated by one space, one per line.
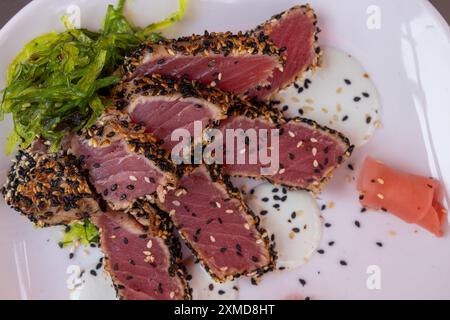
149 244
381 196
380 181
315 164
299 144
291 134
133 178
229 211
282 171
219 76
147 253
242 151
146 179
172 213
212 239
314 151
218 205
176 203
247 226
313 140
259 241
171 294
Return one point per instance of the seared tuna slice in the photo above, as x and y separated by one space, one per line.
295 33
308 152
234 63
124 163
218 227
163 104
49 189
143 264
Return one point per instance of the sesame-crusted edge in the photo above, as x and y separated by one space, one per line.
33 159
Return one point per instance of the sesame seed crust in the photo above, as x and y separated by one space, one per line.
49 189
158 85
206 45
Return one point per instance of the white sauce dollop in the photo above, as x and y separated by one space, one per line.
341 96
295 221
205 288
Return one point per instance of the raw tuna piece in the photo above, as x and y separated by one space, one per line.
49 189
163 104
124 163
215 223
308 152
144 265
234 63
295 33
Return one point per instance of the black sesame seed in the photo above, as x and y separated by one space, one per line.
368 120
347 82
293 215
331 243
302 282
125 240
221 292
320 251
265 199
350 166
71 255
211 287
254 259
123 197
345 118
365 95
263 212
130 187
343 263
114 187
93 272
363 210
296 230
327 225
357 224
357 99
379 244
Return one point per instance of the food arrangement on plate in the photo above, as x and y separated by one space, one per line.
94 115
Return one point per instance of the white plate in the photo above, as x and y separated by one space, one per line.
408 60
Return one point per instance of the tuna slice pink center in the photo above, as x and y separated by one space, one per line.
216 226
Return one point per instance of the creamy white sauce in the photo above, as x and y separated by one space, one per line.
205 288
98 287
341 96
296 224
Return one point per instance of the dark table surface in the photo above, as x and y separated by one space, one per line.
9 8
